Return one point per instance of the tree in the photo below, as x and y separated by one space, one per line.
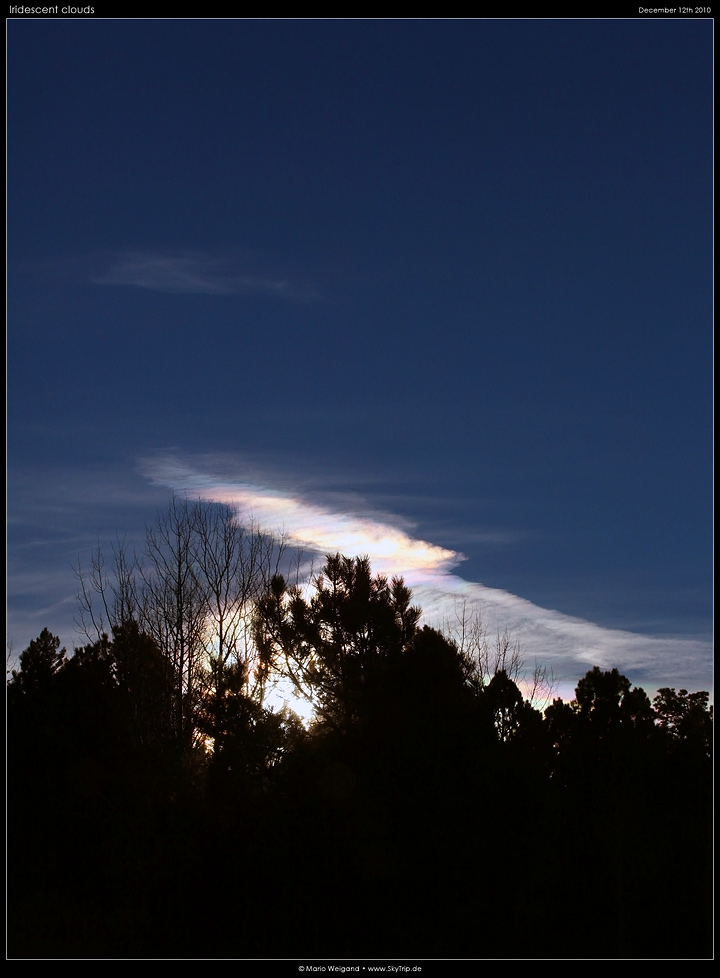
173 607
633 791
107 599
485 658
607 701
37 711
233 565
191 593
510 712
39 663
685 719
335 645
146 682
248 740
605 734
160 598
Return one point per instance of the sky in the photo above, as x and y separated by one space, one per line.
435 291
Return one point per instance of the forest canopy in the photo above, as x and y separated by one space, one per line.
147 766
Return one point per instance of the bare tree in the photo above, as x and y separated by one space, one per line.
172 606
192 592
234 564
484 658
107 597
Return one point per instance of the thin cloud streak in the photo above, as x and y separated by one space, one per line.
570 646
190 274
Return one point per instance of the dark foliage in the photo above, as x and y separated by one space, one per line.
422 815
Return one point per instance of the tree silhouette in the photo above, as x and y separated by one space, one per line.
192 591
449 808
234 565
39 664
685 718
335 645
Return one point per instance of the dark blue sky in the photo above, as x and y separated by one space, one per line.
454 276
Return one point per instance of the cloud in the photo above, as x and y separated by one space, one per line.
308 525
568 645
192 274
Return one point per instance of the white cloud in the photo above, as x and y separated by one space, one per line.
570 646
191 274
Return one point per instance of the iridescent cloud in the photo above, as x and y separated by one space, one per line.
568 645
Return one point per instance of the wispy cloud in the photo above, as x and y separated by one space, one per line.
308 525
193 274
569 645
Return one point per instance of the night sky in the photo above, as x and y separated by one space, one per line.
435 291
